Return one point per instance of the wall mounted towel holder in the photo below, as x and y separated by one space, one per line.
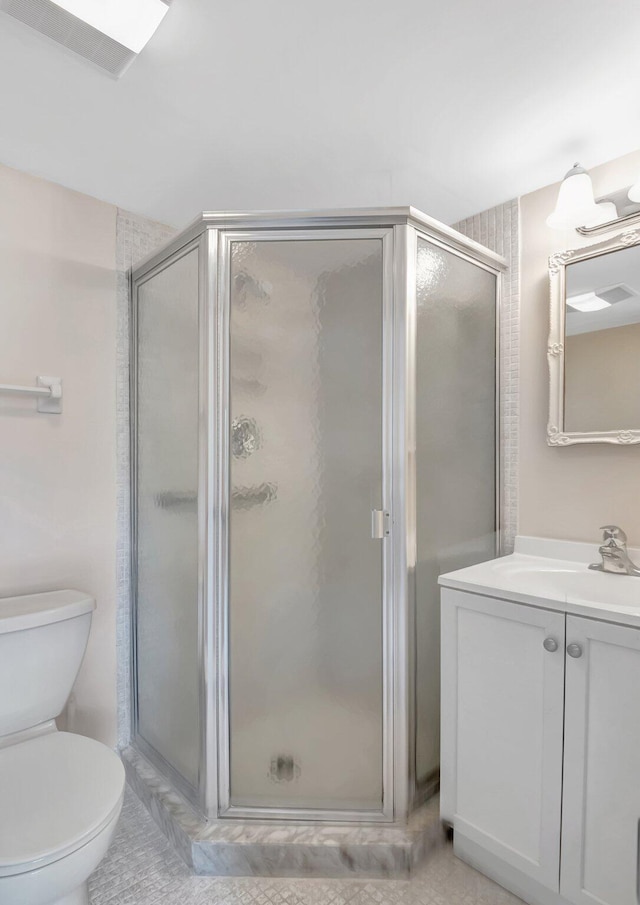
48 392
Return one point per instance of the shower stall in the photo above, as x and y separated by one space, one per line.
313 443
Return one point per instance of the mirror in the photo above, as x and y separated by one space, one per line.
594 343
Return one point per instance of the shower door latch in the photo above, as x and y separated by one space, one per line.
380 521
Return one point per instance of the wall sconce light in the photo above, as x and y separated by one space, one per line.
576 207
634 192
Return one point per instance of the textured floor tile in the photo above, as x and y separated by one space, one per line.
142 869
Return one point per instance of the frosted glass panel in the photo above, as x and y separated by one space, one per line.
167 593
305 606
455 461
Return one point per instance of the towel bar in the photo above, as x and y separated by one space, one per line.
48 391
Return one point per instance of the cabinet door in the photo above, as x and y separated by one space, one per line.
601 798
502 727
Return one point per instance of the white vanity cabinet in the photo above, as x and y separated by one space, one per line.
601 788
541 749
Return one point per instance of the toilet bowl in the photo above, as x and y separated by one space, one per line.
60 793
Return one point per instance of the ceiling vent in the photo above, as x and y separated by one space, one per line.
619 293
56 24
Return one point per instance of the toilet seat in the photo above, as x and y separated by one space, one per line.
57 792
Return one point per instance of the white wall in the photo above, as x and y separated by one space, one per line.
57 472
566 492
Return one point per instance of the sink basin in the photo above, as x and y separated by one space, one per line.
567 581
553 571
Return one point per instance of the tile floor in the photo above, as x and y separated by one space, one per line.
142 869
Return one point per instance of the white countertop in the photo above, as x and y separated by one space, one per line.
554 575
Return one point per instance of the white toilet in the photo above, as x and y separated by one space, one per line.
60 794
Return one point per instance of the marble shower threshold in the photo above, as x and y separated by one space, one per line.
251 848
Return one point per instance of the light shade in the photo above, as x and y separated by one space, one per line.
129 22
634 192
576 205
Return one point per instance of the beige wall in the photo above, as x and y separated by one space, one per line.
565 492
602 379
57 472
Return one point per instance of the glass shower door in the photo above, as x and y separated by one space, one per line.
455 455
305 721
166 505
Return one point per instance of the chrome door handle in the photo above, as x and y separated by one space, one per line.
379 524
574 650
550 644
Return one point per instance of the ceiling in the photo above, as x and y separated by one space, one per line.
599 274
450 105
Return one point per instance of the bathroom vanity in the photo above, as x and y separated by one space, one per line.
541 723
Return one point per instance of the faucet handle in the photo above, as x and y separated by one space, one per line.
615 534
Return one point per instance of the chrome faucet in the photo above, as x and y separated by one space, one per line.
613 551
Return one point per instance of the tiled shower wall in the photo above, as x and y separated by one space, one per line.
136 237
498 229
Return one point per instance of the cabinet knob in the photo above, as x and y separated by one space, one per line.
550 644
574 650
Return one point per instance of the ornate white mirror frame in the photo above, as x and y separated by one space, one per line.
556 435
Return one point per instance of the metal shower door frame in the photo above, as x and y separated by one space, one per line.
407 794
498 271
218 756
196 795
400 231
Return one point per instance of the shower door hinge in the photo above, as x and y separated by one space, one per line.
380 522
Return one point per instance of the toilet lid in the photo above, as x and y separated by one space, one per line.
56 792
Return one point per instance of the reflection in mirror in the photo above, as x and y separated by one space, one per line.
602 343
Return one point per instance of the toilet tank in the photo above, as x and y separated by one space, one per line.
43 638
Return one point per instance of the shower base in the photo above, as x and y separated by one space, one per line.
234 848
